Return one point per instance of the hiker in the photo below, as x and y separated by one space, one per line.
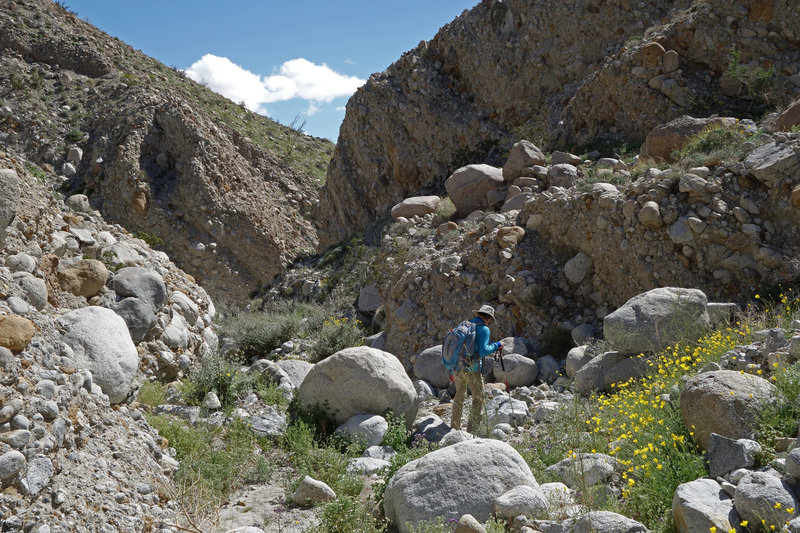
471 376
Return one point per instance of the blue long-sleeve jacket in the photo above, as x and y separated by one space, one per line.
482 345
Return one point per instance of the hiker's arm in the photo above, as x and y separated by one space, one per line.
482 344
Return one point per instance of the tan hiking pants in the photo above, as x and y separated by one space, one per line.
473 380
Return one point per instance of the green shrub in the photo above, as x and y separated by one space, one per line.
226 378
214 462
716 144
152 393
257 334
36 171
336 334
74 135
153 241
755 80
397 436
348 513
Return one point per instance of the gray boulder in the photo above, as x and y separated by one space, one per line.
504 410
359 380
793 463
365 429
771 162
137 314
592 375
549 368
9 200
657 319
522 500
431 428
467 187
724 402
10 464
101 343
478 471
296 369
607 522
311 492
271 423
576 268
366 465
577 358
762 496
562 175
21 263
416 206
31 289
142 283
584 469
726 455
520 371
516 345
699 505
523 155
428 366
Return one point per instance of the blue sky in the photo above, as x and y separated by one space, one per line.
283 58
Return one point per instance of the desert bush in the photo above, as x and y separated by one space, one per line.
715 144
336 334
216 373
152 393
257 334
348 513
213 461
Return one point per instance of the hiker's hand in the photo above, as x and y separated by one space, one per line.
500 347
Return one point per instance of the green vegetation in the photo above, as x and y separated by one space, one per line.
152 393
756 81
336 334
35 171
715 144
213 462
257 334
74 135
154 241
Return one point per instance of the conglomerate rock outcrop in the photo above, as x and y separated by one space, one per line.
568 71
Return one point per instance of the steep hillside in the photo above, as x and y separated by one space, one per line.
561 72
227 192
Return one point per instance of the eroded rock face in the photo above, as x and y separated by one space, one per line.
505 66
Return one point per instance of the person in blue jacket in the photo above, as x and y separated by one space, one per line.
470 376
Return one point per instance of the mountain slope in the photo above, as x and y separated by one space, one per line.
564 72
227 191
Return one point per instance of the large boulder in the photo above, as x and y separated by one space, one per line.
9 200
428 366
772 162
700 505
476 471
656 319
467 187
359 380
138 295
789 118
84 278
296 369
142 283
101 343
762 498
607 522
15 332
522 156
592 375
725 402
416 206
520 371
666 138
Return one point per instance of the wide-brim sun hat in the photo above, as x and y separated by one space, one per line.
485 310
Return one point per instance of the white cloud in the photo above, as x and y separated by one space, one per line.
296 78
349 61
